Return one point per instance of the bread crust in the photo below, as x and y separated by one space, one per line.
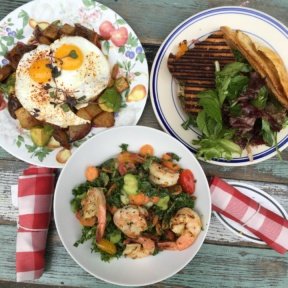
265 61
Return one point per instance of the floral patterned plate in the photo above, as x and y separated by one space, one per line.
124 48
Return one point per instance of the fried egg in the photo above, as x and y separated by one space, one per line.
69 72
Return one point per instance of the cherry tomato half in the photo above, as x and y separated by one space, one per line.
187 181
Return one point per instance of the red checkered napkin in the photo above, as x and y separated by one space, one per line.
35 193
265 224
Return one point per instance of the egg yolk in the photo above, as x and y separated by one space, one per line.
70 56
39 71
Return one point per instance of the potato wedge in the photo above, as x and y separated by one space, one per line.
93 110
5 72
51 32
53 143
63 155
121 84
67 30
61 136
82 113
78 132
105 119
13 106
27 121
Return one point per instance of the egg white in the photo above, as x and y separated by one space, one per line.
89 80
92 77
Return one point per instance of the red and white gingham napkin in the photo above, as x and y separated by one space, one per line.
35 194
265 224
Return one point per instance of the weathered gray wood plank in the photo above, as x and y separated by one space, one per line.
226 267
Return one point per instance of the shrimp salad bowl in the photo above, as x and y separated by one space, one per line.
129 200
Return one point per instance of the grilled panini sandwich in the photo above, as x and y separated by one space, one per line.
195 68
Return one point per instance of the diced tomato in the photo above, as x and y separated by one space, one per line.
124 168
187 181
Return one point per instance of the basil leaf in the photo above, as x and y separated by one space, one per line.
233 69
237 85
111 98
209 101
239 57
202 123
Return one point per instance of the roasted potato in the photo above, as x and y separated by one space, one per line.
121 84
63 155
67 30
82 113
88 34
51 32
89 112
61 136
38 34
27 121
5 72
78 132
13 105
93 110
53 143
104 119
115 71
16 53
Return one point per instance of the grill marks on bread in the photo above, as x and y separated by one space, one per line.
195 70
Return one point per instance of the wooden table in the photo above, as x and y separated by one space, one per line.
224 260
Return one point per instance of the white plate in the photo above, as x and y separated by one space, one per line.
163 88
259 196
124 271
15 27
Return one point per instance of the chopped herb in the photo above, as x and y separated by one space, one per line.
65 107
56 72
52 94
174 156
81 99
190 121
71 101
73 54
47 86
124 147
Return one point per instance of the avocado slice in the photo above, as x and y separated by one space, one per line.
41 135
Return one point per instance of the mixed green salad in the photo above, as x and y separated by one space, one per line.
238 114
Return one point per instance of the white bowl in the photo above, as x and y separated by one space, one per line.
101 147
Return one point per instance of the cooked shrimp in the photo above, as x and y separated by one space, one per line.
162 176
131 220
186 224
94 204
142 248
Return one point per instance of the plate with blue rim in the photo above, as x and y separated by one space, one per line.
164 89
260 196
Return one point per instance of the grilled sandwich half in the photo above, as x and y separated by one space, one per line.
195 70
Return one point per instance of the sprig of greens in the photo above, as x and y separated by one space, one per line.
216 140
